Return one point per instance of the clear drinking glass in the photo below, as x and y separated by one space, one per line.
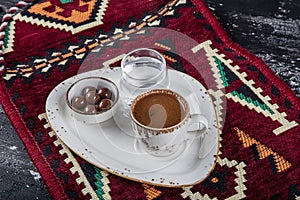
142 70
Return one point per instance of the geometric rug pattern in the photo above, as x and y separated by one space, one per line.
258 115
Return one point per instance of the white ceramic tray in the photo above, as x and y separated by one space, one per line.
107 147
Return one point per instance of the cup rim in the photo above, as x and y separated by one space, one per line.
98 112
141 49
166 129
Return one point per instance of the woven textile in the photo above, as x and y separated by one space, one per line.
48 41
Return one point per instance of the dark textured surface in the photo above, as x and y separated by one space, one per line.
18 176
269 29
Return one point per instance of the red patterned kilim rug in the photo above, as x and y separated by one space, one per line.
47 42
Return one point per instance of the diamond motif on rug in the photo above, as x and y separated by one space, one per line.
60 14
84 12
65 16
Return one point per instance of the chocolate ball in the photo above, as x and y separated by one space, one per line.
90 109
78 102
87 89
105 93
92 97
104 104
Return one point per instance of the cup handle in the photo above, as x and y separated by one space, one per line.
197 123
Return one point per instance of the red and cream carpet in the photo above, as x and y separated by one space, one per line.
47 43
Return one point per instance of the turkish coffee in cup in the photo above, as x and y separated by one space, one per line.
160 120
159 110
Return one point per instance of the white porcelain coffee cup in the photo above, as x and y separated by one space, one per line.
152 116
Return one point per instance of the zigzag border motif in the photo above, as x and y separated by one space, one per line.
76 167
102 181
275 116
218 94
99 42
56 25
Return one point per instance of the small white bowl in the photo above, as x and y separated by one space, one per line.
97 116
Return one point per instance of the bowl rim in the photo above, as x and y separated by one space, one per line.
98 112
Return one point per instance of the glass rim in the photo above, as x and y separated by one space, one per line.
163 71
